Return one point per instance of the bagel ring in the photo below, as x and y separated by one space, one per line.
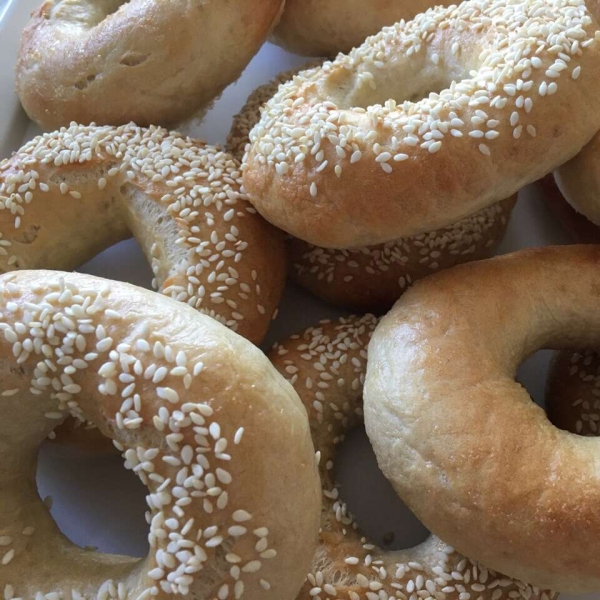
218 437
368 143
317 28
90 61
327 364
462 442
180 198
373 277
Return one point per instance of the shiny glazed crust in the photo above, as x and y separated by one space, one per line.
326 364
461 440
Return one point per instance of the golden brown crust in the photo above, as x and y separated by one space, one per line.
220 439
581 230
460 439
180 198
326 27
326 364
373 278
338 146
112 62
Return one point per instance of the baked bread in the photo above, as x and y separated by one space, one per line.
461 441
427 122
219 438
154 63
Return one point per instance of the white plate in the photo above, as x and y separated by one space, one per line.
98 503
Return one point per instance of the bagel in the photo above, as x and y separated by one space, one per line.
151 62
462 442
218 437
327 364
317 28
572 392
180 198
372 278
578 227
368 143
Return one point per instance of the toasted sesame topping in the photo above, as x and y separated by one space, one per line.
489 59
181 451
575 405
384 271
203 259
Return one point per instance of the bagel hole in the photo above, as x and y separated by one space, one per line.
532 374
95 502
84 13
379 512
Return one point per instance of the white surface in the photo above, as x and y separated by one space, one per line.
96 501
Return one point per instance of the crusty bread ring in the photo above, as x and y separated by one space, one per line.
326 27
368 144
373 277
326 365
218 437
573 392
67 195
461 440
115 61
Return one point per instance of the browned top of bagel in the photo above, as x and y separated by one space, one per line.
112 61
427 122
461 440
326 364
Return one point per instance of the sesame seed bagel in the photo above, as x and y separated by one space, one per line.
180 198
373 277
115 61
462 442
368 144
324 28
579 228
326 365
218 437
573 392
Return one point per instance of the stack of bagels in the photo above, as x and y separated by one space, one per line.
381 177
